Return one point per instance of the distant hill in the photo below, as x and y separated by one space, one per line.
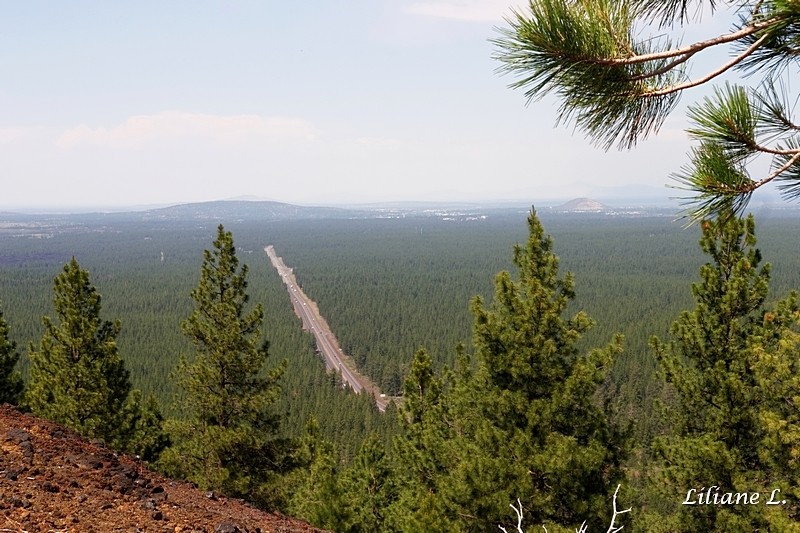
223 211
582 205
246 210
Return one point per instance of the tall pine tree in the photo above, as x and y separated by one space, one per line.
523 421
540 435
10 379
777 373
227 439
729 365
78 377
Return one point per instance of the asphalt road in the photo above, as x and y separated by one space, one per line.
328 347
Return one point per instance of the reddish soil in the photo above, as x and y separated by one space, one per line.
51 480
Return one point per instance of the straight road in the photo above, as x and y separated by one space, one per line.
332 354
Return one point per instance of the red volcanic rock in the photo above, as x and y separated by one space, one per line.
53 480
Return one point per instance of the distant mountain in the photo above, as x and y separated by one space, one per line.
585 205
247 210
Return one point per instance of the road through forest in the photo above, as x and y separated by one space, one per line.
335 359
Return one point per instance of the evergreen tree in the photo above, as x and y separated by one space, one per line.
227 439
619 84
729 366
777 372
525 422
422 452
77 375
318 497
10 379
148 437
368 487
539 435
355 500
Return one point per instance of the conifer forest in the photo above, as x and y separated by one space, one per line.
415 366
535 357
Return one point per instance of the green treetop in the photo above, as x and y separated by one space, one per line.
523 422
423 452
77 375
226 439
619 84
541 436
10 380
729 365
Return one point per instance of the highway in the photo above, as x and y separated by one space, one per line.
326 342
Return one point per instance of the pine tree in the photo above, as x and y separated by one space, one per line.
422 452
148 437
776 367
728 365
227 439
536 430
78 377
523 422
318 496
368 487
10 380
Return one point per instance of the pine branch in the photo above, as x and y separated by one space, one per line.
611 528
732 121
783 168
695 47
517 510
711 75
774 120
584 527
668 67
670 10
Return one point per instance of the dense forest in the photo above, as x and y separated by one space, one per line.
387 287
149 293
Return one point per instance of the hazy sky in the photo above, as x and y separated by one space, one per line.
314 102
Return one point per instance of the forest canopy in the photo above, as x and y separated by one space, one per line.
415 277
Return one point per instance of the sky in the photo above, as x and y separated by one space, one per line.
124 104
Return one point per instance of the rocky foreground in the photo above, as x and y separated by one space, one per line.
53 480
